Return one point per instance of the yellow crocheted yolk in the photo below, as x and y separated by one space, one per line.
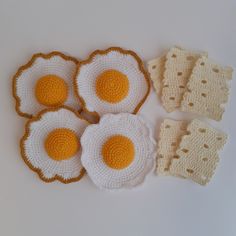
51 90
112 86
61 144
118 152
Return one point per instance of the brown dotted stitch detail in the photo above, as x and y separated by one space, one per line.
104 52
25 137
27 66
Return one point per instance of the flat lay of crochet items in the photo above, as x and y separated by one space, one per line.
82 116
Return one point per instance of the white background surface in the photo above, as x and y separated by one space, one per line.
163 206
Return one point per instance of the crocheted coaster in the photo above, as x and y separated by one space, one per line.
207 89
198 152
178 67
112 81
51 145
170 135
156 69
45 81
119 151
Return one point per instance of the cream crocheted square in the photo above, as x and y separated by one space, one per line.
171 132
207 89
198 152
178 67
156 70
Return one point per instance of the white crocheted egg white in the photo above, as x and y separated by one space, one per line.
34 152
42 65
112 59
131 126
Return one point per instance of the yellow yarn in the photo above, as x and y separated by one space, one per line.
51 90
118 152
112 86
61 144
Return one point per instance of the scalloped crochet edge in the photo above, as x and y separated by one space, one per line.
104 52
25 137
27 66
139 180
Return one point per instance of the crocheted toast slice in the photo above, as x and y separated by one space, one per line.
171 132
156 70
198 152
207 89
178 67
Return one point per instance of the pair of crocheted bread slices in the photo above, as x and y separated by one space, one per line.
189 150
190 81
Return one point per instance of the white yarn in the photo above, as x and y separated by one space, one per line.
131 126
27 80
86 80
34 145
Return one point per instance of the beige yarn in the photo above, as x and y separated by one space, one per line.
178 67
207 89
198 152
156 70
171 132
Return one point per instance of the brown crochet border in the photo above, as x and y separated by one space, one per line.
25 137
28 65
104 52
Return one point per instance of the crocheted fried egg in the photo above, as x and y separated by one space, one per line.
45 81
119 151
112 81
51 144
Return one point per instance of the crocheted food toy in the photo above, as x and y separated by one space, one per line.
112 81
119 151
189 149
51 144
45 81
191 82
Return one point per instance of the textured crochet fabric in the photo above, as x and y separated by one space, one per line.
114 166
42 65
34 147
170 135
198 152
178 67
112 81
156 70
207 89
